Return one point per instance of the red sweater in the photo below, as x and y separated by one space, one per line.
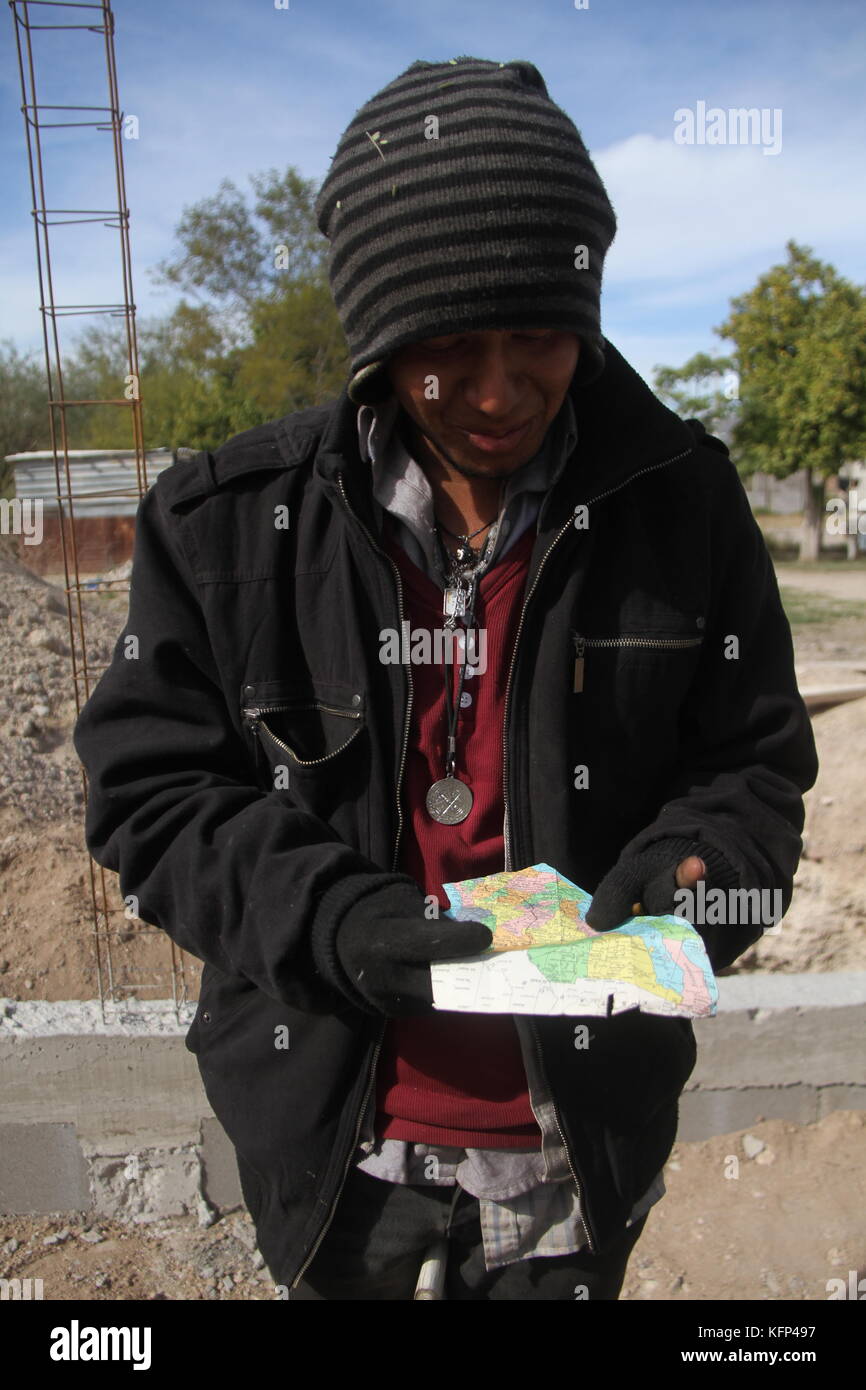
453 1078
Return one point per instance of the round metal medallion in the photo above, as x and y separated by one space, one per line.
449 801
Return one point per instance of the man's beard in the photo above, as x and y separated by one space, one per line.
487 475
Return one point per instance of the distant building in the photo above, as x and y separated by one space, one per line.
781 495
105 498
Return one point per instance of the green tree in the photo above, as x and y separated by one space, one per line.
800 355
801 345
255 336
298 355
703 389
188 383
24 425
263 337
235 251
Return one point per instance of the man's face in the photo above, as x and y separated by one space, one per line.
498 392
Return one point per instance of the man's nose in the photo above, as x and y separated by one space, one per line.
492 385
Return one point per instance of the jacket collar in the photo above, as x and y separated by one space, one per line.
622 428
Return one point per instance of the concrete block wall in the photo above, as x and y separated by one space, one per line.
107 1116
110 1117
780 1047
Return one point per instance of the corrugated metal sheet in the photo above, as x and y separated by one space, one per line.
103 480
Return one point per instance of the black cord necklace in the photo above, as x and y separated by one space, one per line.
464 551
450 799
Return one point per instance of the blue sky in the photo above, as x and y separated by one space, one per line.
225 88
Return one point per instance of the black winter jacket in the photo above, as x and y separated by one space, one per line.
258 648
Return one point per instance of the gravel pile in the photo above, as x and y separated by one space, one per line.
39 772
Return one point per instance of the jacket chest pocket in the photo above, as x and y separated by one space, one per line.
621 665
312 744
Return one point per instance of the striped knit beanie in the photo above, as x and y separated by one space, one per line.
461 198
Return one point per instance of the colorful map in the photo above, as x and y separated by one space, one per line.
546 959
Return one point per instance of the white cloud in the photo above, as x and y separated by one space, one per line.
692 218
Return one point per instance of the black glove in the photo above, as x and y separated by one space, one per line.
647 878
385 944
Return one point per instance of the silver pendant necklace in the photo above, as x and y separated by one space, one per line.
449 800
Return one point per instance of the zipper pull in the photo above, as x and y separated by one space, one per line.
252 719
579 648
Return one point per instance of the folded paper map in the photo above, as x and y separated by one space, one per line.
546 959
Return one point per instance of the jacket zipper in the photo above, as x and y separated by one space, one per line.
581 643
507 828
406 725
253 713
277 706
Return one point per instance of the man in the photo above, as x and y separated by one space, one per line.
286 799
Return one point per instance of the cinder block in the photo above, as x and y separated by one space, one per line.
146 1090
704 1113
220 1181
42 1169
818 1045
841 1098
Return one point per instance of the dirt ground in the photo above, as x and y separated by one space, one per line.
49 945
834 581
778 1225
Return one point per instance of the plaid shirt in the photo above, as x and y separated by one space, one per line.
528 1200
